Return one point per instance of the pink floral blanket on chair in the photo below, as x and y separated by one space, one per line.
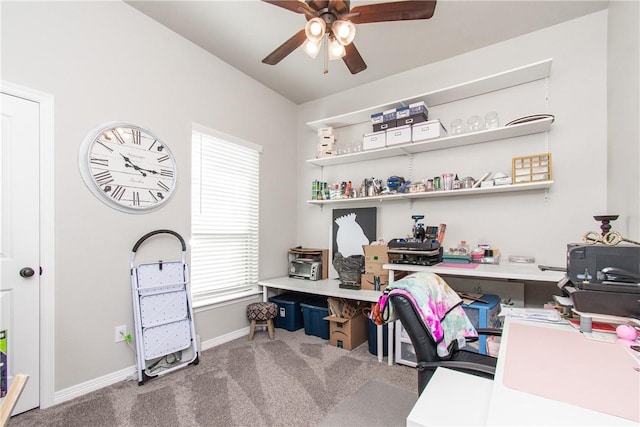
439 307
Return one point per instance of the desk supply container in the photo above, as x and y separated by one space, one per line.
484 315
313 313
404 351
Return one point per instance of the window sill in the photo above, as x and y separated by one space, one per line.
212 302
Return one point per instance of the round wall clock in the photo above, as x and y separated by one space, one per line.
127 167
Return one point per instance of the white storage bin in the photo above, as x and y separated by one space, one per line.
427 130
374 140
399 135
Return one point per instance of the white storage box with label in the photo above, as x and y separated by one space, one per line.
399 135
427 130
374 140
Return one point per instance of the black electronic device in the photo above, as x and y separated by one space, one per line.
422 248
606 279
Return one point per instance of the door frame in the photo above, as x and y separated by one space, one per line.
47 232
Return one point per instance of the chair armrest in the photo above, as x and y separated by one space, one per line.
496 332
454 364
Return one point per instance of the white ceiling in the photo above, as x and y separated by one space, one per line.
242 33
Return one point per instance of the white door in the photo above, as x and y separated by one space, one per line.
19 246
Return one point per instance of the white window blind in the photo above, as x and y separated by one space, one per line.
224 218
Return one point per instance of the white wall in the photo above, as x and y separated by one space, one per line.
537 223
83 52
623 91
105 61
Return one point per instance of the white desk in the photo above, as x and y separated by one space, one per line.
452 398
515 402
331 288
581 374
506 271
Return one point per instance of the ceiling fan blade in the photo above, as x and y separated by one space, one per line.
292 5
353 60
285 48
396 11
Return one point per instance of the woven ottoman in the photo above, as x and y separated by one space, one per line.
262 314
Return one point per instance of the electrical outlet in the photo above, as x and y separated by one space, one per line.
121 333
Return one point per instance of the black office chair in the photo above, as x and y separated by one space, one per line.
425 347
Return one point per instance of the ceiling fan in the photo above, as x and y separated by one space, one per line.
330 24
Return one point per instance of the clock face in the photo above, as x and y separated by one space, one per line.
127 167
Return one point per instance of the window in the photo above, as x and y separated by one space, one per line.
224 217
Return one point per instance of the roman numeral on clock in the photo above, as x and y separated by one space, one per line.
135 198
118 192
105 146
103 178
118 136
135 135
163 186
163 158
167 173
99 161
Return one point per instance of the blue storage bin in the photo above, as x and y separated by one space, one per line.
313 313
484 315
289 311
373 338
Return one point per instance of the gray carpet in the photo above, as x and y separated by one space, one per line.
393 404
294 380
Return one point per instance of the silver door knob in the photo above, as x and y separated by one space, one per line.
27 272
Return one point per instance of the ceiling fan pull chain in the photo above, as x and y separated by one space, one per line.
325 48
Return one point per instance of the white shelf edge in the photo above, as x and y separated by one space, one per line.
520 75
529 186
488 135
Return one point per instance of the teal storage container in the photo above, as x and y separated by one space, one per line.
290 315
313 313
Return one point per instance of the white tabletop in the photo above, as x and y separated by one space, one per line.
513 271
452 398
328 287
509 406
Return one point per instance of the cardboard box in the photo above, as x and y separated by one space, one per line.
366 281
374 140
389 116
341 307
322 132
375 256
428 130
347 333
399 135
402 112
412 120
381 127
376 253
418 108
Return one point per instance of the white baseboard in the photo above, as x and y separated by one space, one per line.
131 373
224 338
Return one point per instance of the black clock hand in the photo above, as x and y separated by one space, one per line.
129 164
148 170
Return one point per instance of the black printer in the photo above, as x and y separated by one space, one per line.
606 279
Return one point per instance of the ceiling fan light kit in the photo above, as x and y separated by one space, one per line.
315 29
332 22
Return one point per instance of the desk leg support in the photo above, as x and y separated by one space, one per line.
391 334
265 294
380 342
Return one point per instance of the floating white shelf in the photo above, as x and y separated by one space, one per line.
527 128
540 185
516 76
